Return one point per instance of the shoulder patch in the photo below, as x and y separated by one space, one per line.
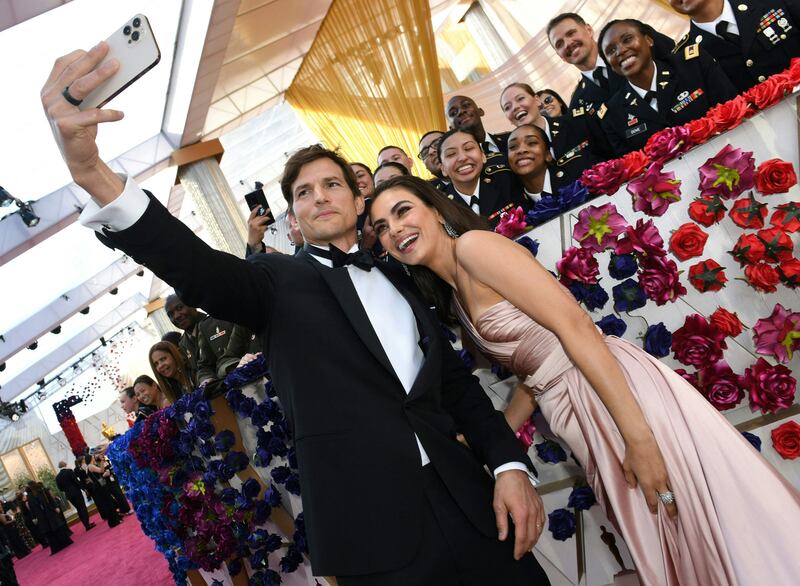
680 43
578 112
691 51
602 111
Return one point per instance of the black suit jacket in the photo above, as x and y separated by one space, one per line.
501 140
68 483
687 86
578 142
758 54
352 421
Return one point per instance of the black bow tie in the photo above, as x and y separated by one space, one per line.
361 259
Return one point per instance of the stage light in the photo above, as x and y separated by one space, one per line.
56 330
5 198
114 291
15 416
140 273
27 214
33 346
85 310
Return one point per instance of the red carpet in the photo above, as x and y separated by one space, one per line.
122 556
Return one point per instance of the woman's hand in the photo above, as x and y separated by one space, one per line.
248 358
644 465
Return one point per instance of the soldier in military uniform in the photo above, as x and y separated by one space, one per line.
751 39
464 114
483 183
573 40
204 341
658 93
429 155
576 142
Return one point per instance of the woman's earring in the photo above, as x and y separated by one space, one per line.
451 232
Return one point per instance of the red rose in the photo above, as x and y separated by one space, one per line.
698 343
659 279
775 176
786 217
730 114
707 210
793 72
778 245
748 249
701 130
771 387
762 277
634 163
721 386
726 322
765 94
687 241
707 275
789 272
786 440
689 377
578 264
748 213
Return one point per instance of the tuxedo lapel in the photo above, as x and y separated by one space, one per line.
345 293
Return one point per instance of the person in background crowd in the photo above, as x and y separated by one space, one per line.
70 485
573 40
172 337
464 114
576 142
388 170
660 90
8 526
149 394
27 515
47 517
429 155
170 370
99 478
128 397
530 159
395 154
552 104
128 400
8 576
750 39
485 185
114 489
80 473
21 523
363 179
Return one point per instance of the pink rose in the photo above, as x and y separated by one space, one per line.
654 191
606 177
771 388
578 264
659 279
721 386
512 223
667 144
697 343
643 239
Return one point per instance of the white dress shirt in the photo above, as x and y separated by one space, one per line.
492 144
467 198
546 187
654 102
388 311
590 74
726 16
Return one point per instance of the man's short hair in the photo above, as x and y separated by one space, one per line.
391 146
308 155
421 138
554 22
172 336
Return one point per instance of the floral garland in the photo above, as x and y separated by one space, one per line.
175 467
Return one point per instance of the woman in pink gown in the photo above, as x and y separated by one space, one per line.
643 435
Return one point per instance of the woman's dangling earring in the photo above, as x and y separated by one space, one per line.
451 232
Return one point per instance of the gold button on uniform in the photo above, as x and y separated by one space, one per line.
742 7
749 62
783 37
761 78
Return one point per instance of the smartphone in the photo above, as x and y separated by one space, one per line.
257 199
134 47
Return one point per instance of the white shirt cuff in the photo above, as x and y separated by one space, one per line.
516 466
120 214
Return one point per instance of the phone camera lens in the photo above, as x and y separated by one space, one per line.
126 31
137 22
135 35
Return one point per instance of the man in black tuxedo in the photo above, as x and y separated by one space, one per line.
68 483
373 392
464 114
750 39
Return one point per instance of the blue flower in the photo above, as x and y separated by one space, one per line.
612 325
261 512
272 543
467 359
572 195
234 567
280 474
237 460
293 484
224 440
753 439
622 266
561 524
579 291
545 209
551 452
272 497
251 488
581 498
530 244
596 297
657 340
628 296
292 560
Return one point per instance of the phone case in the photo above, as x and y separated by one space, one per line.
134 47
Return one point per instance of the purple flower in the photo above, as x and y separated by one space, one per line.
561 524
572 195
596 297
251 488
530 244
545 209
753 439
581 498
628 296
657 340
550 452
728 174
612 325
654 191
622 266
579 291
598 227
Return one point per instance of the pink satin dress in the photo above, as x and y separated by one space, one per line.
738 518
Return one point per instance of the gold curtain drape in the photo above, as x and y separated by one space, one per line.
371 78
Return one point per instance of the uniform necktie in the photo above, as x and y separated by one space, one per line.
722 31
474 202
486 148
649 97
599 76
